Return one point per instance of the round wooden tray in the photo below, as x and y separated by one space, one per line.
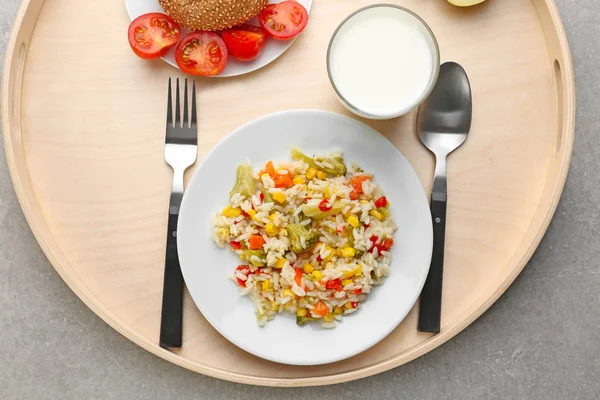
83 123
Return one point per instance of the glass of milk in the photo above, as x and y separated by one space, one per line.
383 61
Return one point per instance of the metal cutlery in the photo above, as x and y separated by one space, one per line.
181 147
443 123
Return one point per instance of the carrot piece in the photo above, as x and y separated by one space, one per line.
298 277
270 169
256 242
357 182
321 309
283 181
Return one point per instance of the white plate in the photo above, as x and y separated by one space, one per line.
273 49
205 267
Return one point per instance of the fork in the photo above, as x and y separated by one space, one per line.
181 147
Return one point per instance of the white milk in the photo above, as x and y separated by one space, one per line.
383 62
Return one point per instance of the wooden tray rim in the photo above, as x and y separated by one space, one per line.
23 27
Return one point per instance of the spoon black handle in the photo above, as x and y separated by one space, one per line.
430 311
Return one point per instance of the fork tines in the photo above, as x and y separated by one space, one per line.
183 131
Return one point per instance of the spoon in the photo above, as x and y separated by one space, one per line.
443 123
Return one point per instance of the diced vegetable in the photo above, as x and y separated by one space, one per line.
308 268
353 220
298 277
335 284
381 202
298 234
279 197
376 214
245 184
325 206
357 182
283 181
256 242
298 180
303 320
303 312
255 253
321 309
235 245
318 275
348 252
311 173
357 291
267 198
354 195
322 175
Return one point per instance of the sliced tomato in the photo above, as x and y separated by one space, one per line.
152 35
201 53
283 20
244 42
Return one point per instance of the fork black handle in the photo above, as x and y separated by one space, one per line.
172 301
430 310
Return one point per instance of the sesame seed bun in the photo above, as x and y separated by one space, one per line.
212 15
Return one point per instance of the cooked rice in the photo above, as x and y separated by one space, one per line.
321 274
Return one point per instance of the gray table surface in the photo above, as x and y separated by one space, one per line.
541 340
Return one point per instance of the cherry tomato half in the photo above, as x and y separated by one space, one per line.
152 35
244 42
283 20
201 53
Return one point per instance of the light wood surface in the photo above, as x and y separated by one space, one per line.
83 123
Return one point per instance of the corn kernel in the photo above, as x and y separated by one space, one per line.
298 180
328 318
318 275
227 210
339 252
311 173
223 233
252 214
327 193
348 252
346 282
348 306
353 220
329 265
376 214
337 310
272 217
271 229
274 306
243 257
348 274
364 202
303 312
321 175
266 285
331 251
308 268
288 293
280 263
358 270
279 197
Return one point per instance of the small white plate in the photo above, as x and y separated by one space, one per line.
272 50
205 267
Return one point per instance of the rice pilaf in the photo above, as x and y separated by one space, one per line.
314 237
